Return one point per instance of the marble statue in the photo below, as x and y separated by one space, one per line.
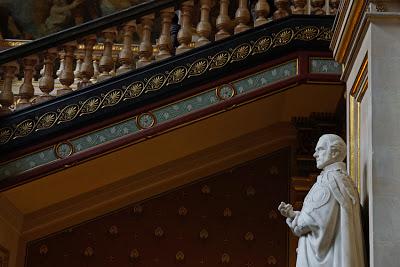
329 224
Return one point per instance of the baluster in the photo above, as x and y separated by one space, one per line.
204 26
26 90
106 61
282 7
146 48
126 54
165 41
96 71
223 22
185 33
46 83
242 17
262 11
87 69
299 7
6 94
78 66
317 7
67 74
333 6
62 65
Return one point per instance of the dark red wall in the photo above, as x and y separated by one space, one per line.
254 234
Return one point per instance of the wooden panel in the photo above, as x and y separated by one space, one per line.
189 219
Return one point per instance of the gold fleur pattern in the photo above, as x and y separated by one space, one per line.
158 81
160 237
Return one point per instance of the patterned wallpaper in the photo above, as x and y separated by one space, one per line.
228 219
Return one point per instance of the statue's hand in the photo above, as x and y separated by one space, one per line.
286 210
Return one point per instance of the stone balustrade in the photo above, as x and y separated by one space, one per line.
137 43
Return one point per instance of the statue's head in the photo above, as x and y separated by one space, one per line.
330 149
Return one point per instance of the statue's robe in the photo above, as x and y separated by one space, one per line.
329 224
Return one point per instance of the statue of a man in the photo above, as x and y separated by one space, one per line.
329 224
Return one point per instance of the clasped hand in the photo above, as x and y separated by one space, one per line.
286 210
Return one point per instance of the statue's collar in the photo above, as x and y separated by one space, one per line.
337 166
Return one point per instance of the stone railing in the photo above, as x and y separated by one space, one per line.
37 71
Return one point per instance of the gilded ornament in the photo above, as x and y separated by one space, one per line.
262 45
182 211
272 215
46 121
283 37
219 60
90 105
64 150
112 98
203 234
250 191
134 90
177 75
155 83
227 213
271 260
307 33
43 250
68 113
134 254
88 252
198 67
137 209
249 236
205 189
24 128
5 135
159 232
113 230
180 256
225 258
273 170
241 52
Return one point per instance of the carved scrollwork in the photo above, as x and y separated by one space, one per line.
46 121
24 128
5 135
68 113
158 81
90 105
262 45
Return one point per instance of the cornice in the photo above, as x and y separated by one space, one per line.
350 16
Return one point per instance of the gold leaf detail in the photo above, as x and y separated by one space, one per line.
262 45
198 67
90 105
283 37
325 35
307 34
46 121
68 113
5 135
112 98
177 75
24 128
180 256
155 82
219 60
241 52
134 90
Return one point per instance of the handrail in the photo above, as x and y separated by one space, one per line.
85 29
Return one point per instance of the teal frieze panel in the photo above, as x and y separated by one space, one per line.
324 66
162 114
104 135
268 77
186 106
27 163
